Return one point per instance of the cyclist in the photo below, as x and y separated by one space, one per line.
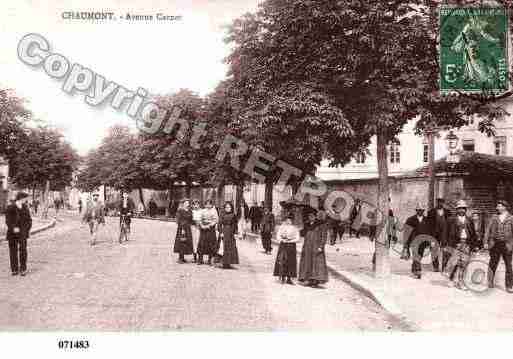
126 209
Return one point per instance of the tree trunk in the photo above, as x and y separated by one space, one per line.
188 189
238 196
431 148
141 198
381 249
269 185
220 195
46 205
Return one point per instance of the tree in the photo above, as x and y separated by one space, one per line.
43 156
373 62
116 163
168 156
13 117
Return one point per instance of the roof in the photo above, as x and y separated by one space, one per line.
471 164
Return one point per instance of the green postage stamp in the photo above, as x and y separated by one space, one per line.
474 49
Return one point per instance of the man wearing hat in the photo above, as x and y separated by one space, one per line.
94 216
500 244
19 223
439 218
462 242
417 225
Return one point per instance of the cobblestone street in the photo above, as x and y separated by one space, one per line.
140 286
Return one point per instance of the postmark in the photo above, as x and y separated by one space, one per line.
474 49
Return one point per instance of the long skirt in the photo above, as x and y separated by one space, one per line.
183 245
286 261
195 232
230 253
207 242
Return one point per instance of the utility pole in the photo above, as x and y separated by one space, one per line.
431 133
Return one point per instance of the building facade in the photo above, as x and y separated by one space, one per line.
412 150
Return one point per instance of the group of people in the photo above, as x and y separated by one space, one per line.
455 240
205 231
313 269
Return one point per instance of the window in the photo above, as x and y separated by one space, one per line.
500 145
360 158
395 154
425 153
469 145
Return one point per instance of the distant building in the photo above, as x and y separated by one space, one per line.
411 151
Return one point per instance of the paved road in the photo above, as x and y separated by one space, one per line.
139 286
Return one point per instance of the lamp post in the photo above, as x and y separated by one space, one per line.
451 141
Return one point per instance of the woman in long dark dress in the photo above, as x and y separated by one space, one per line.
183 240
227 229
286 259
312 266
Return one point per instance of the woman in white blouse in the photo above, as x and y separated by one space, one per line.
286 259
207 239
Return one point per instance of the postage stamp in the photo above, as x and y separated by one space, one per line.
473 49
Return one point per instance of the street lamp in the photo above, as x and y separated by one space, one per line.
452 144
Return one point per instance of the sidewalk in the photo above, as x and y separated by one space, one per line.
428 304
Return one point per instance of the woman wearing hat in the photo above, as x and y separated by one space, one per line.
19 223
312 266
285 266
183 239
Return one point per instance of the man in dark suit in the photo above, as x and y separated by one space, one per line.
461 239
438 217
19 223
419 232
253 216
355 218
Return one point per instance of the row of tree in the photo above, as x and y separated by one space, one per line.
39 157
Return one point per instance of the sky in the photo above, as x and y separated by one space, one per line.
159 56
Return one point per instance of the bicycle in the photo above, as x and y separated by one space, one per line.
124 229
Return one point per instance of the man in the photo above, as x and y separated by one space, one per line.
253 215
418 225
337 226
94 216
19 223
268 225
355 218
461 239
36 206
439 217
152 206
126 208
79 205
499 238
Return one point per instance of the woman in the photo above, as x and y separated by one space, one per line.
207 241
286 260
312 267
183 239
227 230
195 229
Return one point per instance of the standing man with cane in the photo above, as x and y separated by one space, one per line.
19 223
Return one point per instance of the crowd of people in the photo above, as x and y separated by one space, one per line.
456 239
209 235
